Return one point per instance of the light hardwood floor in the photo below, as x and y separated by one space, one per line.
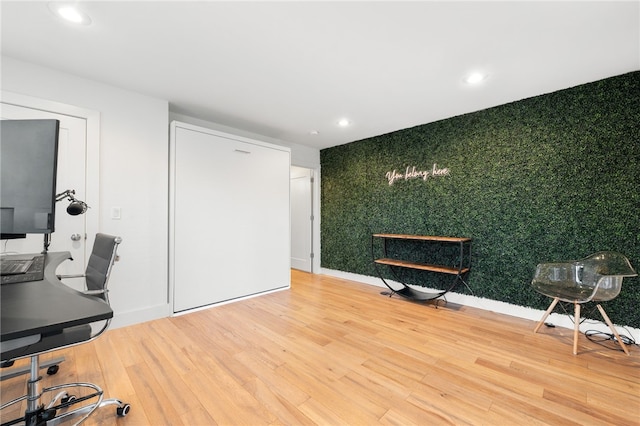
334 352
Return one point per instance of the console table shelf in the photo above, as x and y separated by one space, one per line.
460 270
421 266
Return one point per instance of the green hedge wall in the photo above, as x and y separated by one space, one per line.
550 178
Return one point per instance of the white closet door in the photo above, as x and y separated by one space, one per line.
230 219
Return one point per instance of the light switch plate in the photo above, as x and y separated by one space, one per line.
116 213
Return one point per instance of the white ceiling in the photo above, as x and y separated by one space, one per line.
284 69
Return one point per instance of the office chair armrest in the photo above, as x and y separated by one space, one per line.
94 292
60 277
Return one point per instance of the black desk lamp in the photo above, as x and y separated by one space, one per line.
76 207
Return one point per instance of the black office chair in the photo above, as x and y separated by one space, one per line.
98 271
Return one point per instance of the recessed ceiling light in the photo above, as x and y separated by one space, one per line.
343 122
475 78
70 13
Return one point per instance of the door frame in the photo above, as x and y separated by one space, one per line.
312 216
315 211
92 160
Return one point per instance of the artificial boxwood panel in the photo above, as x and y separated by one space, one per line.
550 178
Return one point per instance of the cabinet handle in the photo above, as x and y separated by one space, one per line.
241 151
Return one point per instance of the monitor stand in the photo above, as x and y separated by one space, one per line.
47 243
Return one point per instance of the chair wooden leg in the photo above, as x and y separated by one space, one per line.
546 314
613 330
576 328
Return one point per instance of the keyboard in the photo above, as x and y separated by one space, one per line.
33 270
15 266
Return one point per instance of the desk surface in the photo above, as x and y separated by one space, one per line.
39 307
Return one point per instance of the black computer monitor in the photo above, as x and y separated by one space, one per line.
28 170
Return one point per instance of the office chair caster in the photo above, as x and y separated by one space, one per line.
67 399
64 398
52 370
123 411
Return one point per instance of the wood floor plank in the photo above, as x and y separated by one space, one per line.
276 396
589 411
411 412
111 367
320 414
153 401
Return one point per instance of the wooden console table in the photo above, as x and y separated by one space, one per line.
459 272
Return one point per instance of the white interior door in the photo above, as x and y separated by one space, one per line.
301 218
71 175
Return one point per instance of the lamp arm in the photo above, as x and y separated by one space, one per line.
69 194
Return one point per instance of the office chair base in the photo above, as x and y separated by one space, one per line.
61 406
54 414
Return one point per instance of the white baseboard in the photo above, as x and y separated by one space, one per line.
559 320
123 319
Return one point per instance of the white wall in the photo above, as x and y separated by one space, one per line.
134 138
